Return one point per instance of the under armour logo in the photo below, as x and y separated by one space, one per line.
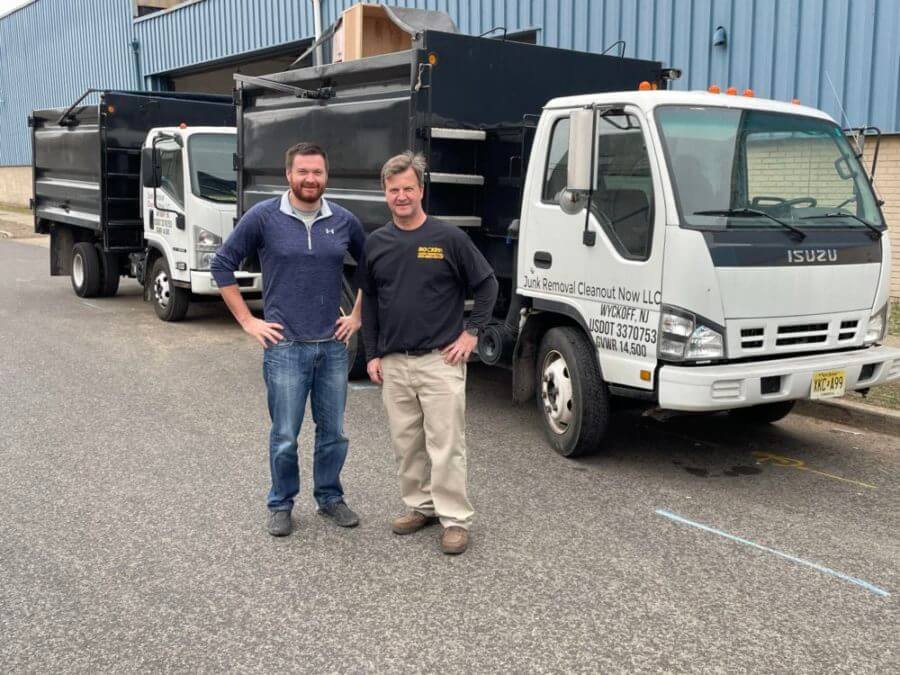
327 231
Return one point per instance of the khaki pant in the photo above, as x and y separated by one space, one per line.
425 400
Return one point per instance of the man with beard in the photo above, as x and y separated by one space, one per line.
301 240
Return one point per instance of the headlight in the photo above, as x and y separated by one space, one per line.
876 326
206 239
204 259
686 336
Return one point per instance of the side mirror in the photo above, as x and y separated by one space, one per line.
149 168
581 132
844 169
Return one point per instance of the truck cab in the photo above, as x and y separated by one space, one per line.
189 197
716 252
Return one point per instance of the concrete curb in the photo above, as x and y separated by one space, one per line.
850 413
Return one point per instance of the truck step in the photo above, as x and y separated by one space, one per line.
461 221
456 178
459 134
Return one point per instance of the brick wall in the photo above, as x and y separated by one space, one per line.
15 185
796 168
887 185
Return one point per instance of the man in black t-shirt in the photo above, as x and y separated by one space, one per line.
414 276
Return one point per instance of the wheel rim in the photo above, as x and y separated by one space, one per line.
161 290
556 392
78 270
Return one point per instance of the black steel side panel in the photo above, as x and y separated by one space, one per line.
366 122
486 83
67 167
386 104
86 172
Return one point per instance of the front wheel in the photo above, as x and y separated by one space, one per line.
572 397
767 413
169 301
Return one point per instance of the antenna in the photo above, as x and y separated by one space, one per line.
844 117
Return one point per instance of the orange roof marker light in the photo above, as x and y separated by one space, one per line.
749 93
731 91
644 86
714 89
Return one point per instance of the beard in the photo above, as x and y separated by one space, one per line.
298 191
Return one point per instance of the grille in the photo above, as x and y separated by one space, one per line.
802 334
752 338
848 330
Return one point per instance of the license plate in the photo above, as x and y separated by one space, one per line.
828 384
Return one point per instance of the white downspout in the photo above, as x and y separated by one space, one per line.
317 27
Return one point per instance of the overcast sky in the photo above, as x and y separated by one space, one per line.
8 5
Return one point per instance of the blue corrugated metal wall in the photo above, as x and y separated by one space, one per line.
50 54
820 51
214 29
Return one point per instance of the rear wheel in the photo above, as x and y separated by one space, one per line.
572 397
109 284
766 413
86 270
169 301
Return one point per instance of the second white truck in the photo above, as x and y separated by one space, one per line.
141 185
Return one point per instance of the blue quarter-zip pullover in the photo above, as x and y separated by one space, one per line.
302 267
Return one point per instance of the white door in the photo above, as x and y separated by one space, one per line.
163 227
612 287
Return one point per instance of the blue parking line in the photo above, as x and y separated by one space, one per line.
787 556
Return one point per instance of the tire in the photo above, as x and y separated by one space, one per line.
572 398
169 302
86 270
767 413
356 353
109 277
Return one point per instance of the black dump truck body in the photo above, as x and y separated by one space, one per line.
87 159
468 103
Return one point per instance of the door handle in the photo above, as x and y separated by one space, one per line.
543 259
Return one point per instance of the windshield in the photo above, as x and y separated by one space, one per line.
212 167
799 170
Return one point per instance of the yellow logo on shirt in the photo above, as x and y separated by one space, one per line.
431 252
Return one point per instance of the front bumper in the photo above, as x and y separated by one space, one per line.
202 283
738 385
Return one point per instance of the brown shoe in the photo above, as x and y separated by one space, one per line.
410 522
455 540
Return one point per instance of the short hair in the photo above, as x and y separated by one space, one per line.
303 149
402 162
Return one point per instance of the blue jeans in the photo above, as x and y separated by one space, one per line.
294 371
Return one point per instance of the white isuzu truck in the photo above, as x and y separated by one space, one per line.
702 252
717 252
141 185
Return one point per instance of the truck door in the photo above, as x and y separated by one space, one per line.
162 224
609 281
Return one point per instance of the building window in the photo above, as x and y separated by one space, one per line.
147 7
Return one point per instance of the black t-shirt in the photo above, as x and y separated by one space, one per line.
417 281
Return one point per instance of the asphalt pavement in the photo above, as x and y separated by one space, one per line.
132 516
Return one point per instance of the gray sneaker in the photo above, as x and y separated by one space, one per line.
340 513
279 523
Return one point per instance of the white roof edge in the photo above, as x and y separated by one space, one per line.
650 99
8 12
